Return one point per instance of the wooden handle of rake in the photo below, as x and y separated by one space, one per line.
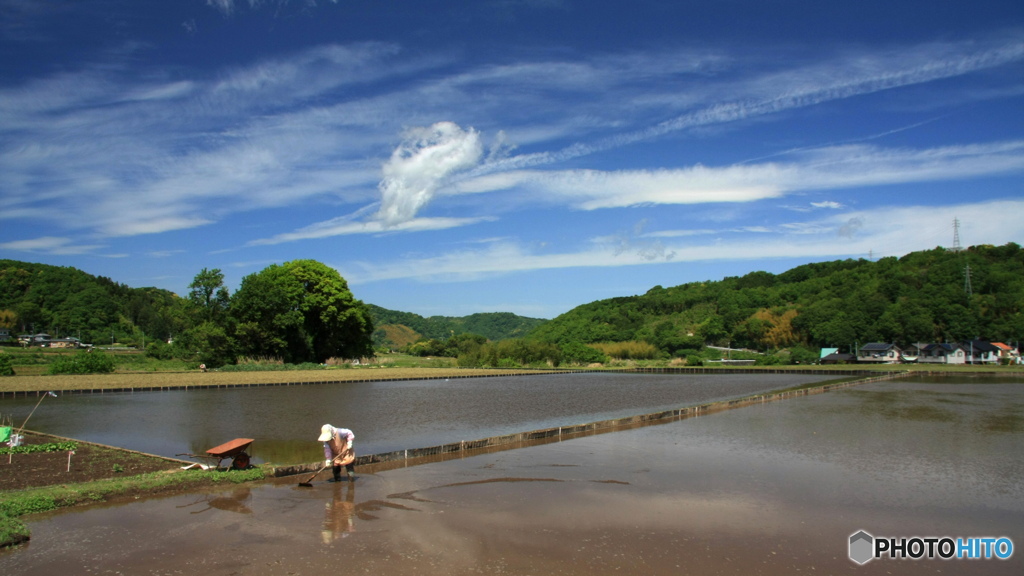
315 474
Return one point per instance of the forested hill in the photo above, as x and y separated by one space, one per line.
931 296
64 301
491 325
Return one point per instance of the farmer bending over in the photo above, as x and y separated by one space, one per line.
338 450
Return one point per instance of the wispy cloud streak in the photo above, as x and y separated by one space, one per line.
821 169
848 83
881 231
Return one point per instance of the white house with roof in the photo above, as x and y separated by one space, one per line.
981 352
879 353
947 353
65 343
1007 352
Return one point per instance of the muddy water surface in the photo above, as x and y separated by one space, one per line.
385 416
775 488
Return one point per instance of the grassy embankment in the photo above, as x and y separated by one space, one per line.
17 503
134 371
213 379
36 361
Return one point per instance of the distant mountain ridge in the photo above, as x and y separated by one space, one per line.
491 325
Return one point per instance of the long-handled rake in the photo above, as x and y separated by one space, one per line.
307 483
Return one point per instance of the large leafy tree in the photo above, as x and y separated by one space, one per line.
300 311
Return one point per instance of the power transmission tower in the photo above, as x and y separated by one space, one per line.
957 248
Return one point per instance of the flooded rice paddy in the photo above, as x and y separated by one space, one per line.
774 488
385 416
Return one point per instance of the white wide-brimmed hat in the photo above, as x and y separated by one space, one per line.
326 431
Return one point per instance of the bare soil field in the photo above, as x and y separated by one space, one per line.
89 462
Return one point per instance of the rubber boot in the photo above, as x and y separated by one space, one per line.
351 472
337 473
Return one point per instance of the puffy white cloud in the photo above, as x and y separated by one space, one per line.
419 166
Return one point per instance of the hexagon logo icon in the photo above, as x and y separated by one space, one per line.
861 547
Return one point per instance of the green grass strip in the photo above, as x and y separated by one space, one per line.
16 503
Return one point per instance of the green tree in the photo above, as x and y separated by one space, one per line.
6 365
208 294
427 347
84 362
579 353
208 343
713 330
160 350
8 319
30 316
300 311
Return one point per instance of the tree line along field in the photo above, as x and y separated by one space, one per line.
299 311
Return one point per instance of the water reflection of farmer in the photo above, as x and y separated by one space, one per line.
338 450
338 521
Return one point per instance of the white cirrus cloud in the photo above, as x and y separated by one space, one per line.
50 245
821 169
881 231
345 226
112 149
423 164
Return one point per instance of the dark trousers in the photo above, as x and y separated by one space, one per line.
351 468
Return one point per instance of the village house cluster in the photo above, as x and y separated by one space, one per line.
42 340
968 352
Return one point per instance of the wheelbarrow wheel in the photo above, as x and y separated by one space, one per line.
241 461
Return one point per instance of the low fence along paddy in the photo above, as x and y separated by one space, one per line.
468 448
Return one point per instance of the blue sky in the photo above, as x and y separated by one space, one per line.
525 156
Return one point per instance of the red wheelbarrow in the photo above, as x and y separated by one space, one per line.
235 449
